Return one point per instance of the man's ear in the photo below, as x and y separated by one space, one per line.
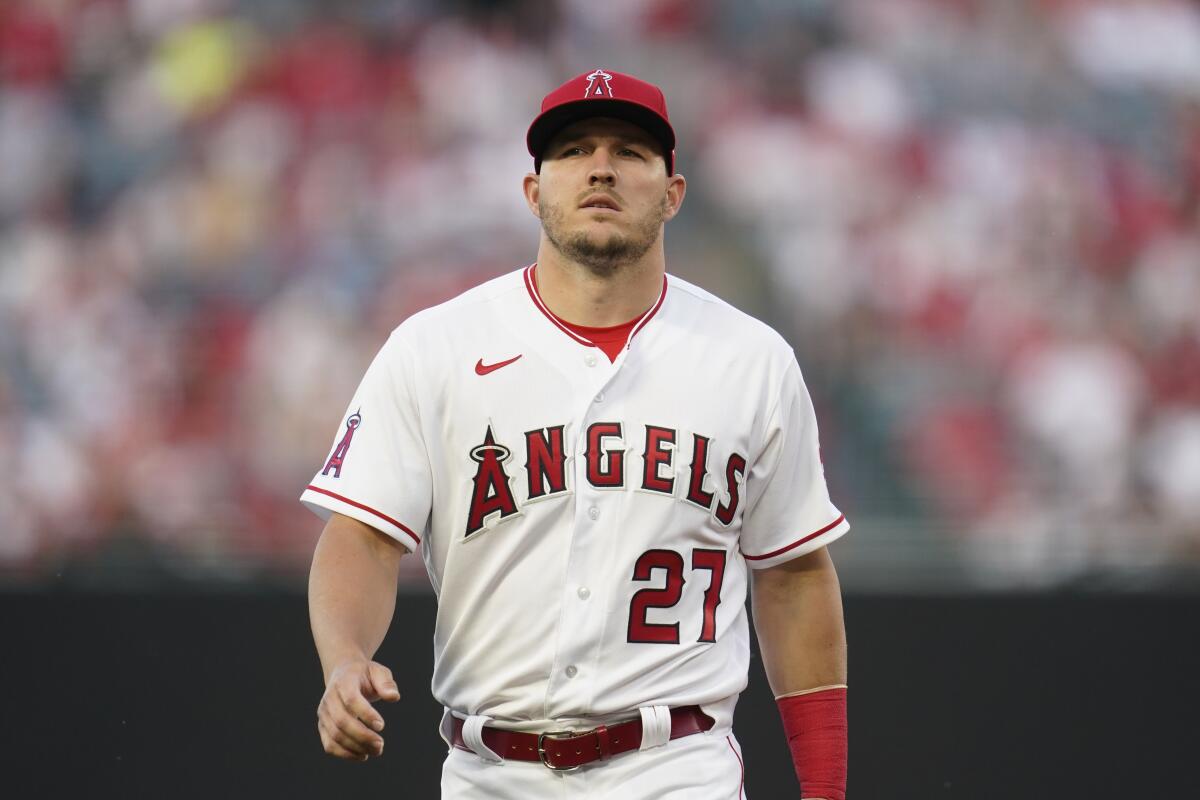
532 188
676 189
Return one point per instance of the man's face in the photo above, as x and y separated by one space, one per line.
604 193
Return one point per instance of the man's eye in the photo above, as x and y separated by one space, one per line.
570 151
625 151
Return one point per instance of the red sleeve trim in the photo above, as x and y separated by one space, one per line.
798 542
384 517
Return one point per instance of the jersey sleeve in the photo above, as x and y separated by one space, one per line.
378 469
788 511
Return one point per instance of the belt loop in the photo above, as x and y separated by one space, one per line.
472 733
656 726
602 745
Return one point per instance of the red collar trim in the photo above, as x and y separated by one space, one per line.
562 325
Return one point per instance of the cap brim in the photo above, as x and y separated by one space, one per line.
548 124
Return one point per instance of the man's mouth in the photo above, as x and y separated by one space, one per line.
600 201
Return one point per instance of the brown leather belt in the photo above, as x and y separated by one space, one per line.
567 750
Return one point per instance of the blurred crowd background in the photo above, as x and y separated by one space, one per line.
978 221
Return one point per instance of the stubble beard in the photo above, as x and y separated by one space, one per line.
603 257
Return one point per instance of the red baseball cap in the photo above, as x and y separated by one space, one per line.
603 93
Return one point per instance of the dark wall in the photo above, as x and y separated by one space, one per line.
197 694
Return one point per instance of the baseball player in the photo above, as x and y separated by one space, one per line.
596 461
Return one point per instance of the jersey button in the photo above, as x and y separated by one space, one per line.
599 398
594 512
572 671
583 592
590 360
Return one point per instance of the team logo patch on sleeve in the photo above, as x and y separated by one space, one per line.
343 447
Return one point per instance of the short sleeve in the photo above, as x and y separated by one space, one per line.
378 468
788 511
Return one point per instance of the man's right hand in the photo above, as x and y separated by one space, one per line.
349 725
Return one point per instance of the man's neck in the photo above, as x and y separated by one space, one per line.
580 296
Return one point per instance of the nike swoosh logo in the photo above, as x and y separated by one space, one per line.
484 369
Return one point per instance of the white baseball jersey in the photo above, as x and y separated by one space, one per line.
587 525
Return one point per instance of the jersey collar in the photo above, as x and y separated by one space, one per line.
531 286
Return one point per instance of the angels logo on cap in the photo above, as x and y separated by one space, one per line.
595 89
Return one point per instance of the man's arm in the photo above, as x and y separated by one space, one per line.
802 637
351 599
798 619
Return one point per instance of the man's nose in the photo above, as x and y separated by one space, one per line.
602 169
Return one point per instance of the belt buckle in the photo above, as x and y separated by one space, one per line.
558 736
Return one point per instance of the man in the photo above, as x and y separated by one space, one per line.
591 457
